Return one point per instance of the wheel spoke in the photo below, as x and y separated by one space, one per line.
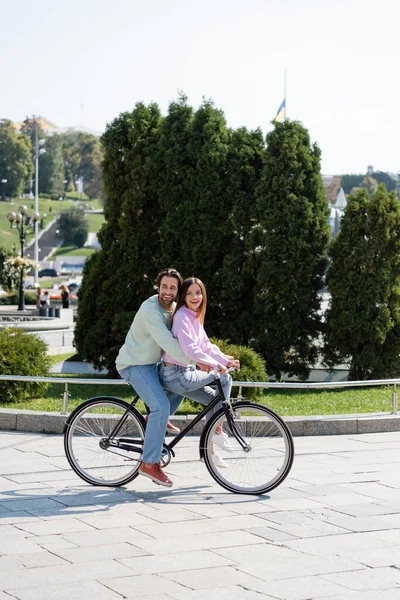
270 454
88 426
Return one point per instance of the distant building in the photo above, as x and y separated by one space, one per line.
337 212
48 127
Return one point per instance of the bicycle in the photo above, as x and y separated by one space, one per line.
104 448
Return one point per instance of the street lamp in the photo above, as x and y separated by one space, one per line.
4 181
38 152
22 223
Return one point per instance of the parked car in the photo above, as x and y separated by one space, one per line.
48 273
72 286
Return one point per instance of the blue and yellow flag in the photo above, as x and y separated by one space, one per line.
280 115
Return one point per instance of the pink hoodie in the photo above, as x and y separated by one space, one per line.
192 338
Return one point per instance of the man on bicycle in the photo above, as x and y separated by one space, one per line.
137 362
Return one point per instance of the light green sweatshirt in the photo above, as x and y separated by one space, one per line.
148 336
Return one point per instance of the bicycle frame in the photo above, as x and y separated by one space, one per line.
220 396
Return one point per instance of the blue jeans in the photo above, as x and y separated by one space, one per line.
145 381
193 384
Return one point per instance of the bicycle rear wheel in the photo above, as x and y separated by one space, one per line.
266 459
95 457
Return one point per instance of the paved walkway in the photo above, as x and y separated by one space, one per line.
332 529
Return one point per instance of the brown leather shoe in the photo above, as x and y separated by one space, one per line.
155 473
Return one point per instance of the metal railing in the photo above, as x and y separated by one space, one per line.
240 384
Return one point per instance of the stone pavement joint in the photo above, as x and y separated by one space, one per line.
331 530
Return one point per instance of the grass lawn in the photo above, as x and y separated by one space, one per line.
50 208
95 220
291 402
285 403
71 250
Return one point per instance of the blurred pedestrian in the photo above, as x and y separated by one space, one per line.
45 299
38 291
64 296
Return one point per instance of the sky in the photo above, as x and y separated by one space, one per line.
82 62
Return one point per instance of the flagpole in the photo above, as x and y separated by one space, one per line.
284 97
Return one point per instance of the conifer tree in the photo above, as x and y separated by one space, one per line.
177 173
290 245
121 275
195 231
363 320
237 275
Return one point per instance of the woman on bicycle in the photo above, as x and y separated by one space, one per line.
185 379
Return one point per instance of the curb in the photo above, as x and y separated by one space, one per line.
43 422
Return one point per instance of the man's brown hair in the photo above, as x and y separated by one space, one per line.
170 273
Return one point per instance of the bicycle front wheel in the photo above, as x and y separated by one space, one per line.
92 439
263 458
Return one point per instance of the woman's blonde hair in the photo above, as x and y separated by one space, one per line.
182 297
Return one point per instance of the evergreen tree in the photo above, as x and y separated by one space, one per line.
237 280
74 226
388 180
192 193
363 320
121 275
290 243
51 175
177 176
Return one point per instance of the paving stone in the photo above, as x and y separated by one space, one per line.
106 536
299 588
300 566
61 575
178 561
93 553
110 521
362 580
79 591
379 557
98 537
202 526
342 545
29 560
392 594
40 527
227 593
211 578
272 535
27 505
132 587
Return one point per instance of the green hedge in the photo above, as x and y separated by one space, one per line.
22 353
12 298
252 368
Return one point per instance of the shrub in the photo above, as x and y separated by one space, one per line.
22 353
12 298
74 226
252 366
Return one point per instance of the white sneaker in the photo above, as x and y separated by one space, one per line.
222 441
219 461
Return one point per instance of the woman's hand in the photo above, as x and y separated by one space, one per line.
234 363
